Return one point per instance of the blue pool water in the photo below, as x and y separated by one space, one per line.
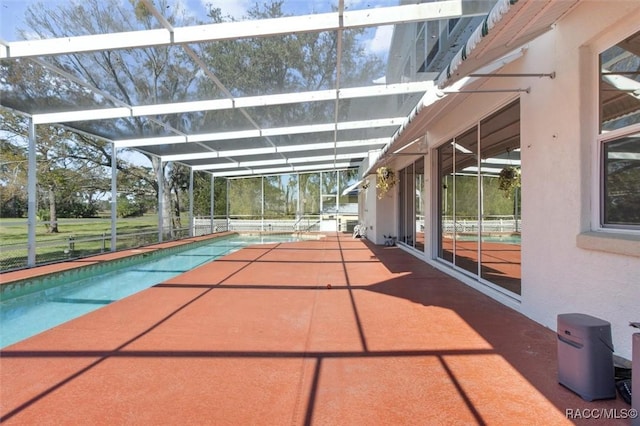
28 315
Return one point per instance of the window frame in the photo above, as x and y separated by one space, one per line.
602 142
604 137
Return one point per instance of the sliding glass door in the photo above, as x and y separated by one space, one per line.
411 207
479 198
419 203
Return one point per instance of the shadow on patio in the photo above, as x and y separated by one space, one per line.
258 337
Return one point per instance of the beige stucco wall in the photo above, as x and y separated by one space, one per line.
380 214
560 272
559 156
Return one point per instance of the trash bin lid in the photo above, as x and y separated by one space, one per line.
581 320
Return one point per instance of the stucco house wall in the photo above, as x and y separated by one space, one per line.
380 213
560 180
561 177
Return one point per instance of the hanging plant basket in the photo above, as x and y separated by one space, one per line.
385 180
508 180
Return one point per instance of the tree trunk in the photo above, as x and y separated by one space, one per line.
53 215
166 209
177 223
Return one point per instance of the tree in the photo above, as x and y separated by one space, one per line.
132 76
201 194
179 185
13 183
287 63
73 171
310 193
245 197
53 164
279 196
281 64
261 65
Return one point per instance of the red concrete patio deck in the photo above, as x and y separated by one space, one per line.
258 338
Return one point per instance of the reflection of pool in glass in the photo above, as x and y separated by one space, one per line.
492 238
51 305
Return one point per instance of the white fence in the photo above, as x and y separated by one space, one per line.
204 225
494 225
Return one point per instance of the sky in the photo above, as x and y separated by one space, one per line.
12 14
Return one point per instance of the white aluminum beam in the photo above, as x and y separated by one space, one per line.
386 89
87 43
330 145
347 156
165 140
240 29
276 131
32 180
225 104
257 28
181 107
351 187
114 197
363 124
285 98
297 130
278 161
274 150
160 179
287 169
223 136
191 220
219 166
81 115
401 14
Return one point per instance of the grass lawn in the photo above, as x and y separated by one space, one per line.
53 247
14 231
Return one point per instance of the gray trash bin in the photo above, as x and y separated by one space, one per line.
585 356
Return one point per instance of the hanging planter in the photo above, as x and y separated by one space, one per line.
385 180
508 180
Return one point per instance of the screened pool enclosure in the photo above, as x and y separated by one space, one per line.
269 118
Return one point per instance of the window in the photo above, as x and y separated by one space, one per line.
619 136
621 182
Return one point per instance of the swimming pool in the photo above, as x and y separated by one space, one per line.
27 315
